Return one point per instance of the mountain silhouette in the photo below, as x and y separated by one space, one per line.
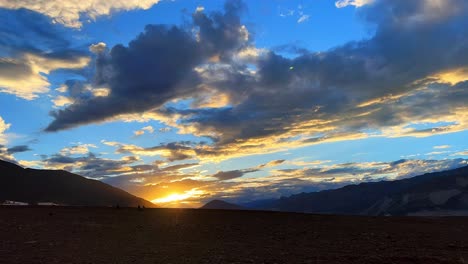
60 187
219 204
438 193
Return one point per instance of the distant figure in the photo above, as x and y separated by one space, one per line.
139 208
117 206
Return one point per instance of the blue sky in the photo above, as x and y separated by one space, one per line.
181 101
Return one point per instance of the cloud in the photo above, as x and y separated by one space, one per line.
356 3
461 153
272 163
303 19
24 76
7 153
442 147
77 149
149 129
232 186
229 175
160 64
3 127
89 165
32 48
98 47
383 86
18 149
61 100
142 131
297 12
73 13
171 151
138 133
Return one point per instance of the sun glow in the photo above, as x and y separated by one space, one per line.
177 197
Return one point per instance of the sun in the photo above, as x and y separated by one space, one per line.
178 197
171 198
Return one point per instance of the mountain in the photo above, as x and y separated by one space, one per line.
219 204
60 187
439 193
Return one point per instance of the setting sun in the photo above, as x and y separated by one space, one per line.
177 197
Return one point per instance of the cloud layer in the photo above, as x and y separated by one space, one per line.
73 13
31 48
3 127
209 81
157 67
157 181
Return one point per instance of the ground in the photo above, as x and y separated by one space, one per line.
107 235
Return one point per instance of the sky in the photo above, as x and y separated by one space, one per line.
181 102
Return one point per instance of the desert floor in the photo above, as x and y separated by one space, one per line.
108 235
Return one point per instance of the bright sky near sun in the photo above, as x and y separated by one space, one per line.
181 102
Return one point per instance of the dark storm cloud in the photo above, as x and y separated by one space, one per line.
156 67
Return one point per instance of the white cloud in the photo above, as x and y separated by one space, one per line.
101 92
286 13
75 150
149 129
142 131
24 76
442 147
138 133
62 89
71 13
3 127
303 19
356 3
62 101
165 129
98 47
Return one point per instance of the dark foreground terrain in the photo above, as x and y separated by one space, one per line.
107 235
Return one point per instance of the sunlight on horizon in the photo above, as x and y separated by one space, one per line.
178 198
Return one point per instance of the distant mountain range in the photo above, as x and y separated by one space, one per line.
222 205
60 187
439 193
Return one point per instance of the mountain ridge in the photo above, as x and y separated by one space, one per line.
222 205
61 187
430 192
